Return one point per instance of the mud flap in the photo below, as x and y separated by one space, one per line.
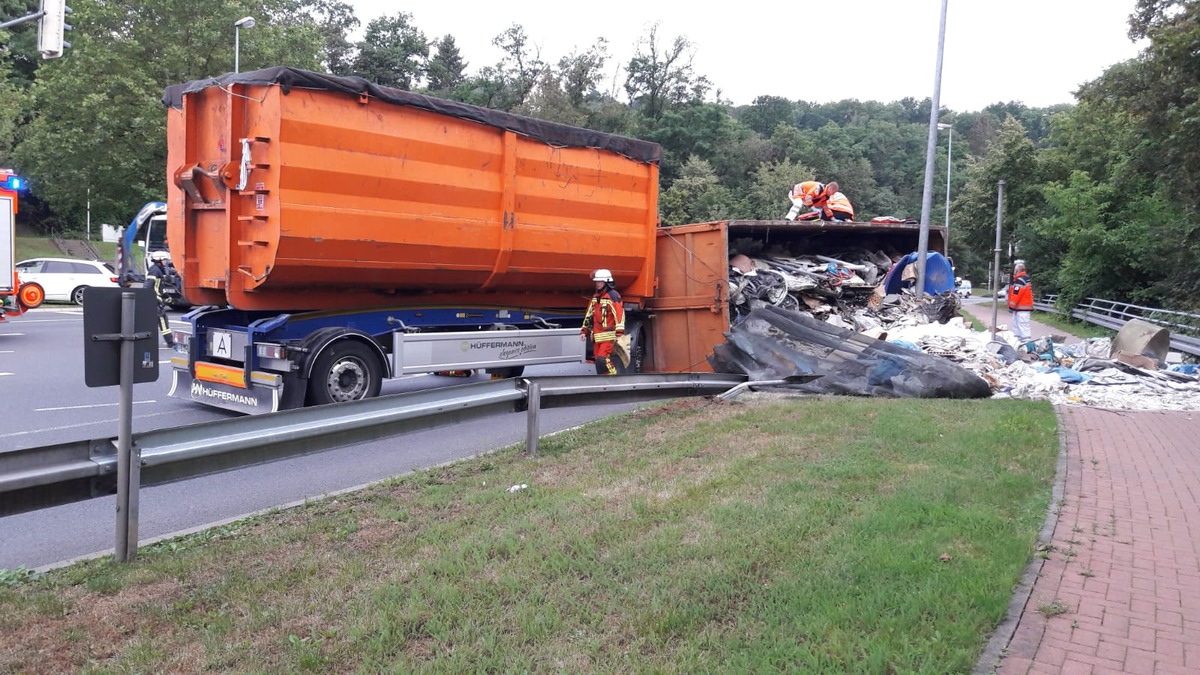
254 401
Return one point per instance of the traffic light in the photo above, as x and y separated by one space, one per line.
50 28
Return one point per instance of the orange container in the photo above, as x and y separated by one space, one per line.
691 306
292 191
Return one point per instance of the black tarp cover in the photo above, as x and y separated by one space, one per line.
552 133
773 343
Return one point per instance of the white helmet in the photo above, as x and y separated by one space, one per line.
155 256
602 275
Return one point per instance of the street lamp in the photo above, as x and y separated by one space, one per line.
949 166
244 22
930 154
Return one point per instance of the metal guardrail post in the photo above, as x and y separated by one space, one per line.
534 402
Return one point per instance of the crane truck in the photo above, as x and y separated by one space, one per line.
142 242
332 234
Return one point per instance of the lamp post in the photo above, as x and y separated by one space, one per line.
930 149
949 168
244 22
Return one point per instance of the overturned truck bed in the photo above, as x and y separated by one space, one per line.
824 268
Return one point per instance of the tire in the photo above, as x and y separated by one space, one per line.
345 370
77 295
638 351
31 295
506 373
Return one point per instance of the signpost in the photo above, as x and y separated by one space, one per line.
120 347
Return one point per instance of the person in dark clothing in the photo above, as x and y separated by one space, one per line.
156 277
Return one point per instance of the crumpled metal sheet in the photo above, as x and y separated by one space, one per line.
772 343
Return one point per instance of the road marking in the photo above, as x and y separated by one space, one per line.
80 407
3 374
14 334
84 424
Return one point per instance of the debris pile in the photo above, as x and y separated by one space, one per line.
1091 372
847 292
852 318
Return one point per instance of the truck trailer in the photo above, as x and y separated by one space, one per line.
333 233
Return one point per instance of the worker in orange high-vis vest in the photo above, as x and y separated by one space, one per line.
826 202
1020 302
604 322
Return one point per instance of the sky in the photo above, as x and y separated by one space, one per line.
1036 52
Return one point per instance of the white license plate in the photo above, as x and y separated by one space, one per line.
220 344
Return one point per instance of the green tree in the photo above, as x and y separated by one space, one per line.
567 91
335 21
549 101
96 119
519 71
1111 247
767 198
392 53
697 197
445 71
18 44
10 110
703 130
659 77
1013 159
766 113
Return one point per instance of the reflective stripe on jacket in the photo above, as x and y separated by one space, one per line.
839 202
605 316
1020 293
809 193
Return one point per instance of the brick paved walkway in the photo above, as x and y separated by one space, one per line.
1125 562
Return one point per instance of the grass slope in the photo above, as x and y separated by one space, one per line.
797 534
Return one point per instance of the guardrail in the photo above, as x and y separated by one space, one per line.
39 477
1113 315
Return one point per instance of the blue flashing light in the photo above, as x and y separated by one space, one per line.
12 183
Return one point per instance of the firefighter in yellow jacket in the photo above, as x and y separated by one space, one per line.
155 277
604 322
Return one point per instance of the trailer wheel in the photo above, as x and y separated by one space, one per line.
637 351
506 373
344 371
31 295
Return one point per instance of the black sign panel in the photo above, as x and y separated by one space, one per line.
102 325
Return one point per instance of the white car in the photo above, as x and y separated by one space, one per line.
963 288
65 279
